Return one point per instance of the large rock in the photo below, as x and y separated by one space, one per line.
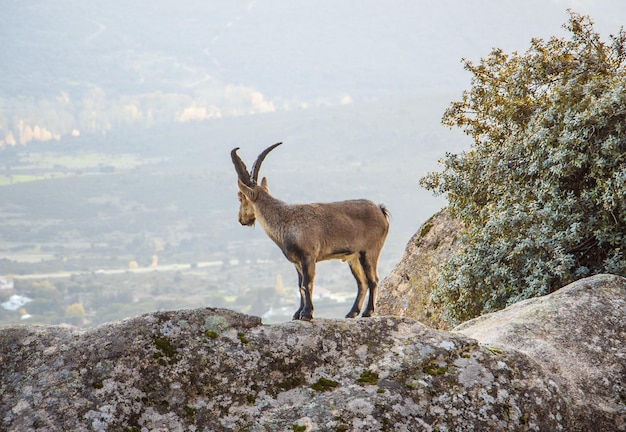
406 290
578 337
214 370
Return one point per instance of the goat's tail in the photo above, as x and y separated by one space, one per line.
385 210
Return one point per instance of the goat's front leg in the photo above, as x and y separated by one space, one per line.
306 290
296 316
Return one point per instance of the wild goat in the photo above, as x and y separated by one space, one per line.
353 231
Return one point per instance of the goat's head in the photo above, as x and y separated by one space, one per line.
249 190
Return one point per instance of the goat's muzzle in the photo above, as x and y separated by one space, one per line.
246 222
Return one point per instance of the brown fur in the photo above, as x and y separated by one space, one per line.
353 231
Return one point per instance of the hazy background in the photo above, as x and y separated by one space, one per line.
117 119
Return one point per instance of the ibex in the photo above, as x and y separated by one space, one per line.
353 231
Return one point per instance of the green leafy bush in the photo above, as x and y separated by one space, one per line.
542 190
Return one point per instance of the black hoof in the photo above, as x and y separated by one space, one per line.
306 315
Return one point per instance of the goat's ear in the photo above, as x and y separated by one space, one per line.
249 192
264 184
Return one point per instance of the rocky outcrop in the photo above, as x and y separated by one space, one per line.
577 335
406 290
551 364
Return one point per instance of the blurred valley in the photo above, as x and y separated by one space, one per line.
163 207
117 119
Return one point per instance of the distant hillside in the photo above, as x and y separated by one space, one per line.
143 182
76 67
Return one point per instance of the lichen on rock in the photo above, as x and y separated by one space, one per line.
578 337
214 369
406 291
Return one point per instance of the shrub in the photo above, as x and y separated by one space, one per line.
542 190
75 314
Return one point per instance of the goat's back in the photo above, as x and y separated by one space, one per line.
354 223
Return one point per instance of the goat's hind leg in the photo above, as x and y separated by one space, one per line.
361 281
370 266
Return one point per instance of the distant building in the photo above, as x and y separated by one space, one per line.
6 283
15 302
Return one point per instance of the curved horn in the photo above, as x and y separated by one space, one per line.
240 167
257 164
